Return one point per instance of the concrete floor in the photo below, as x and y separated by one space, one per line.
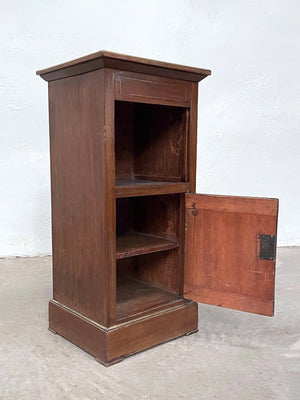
234 355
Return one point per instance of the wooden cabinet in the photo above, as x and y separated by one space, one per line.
133 246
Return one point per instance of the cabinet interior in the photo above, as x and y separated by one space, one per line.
150 143
148 265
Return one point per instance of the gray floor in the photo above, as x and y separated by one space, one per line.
234 355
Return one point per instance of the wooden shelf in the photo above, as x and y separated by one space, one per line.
141 187
135 243
136 298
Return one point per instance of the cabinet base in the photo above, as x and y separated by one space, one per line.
112 345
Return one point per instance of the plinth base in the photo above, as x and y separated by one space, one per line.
111 345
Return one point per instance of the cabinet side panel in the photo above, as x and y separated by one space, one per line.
160 136
78 194
192 138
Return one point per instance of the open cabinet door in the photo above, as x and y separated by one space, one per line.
230 246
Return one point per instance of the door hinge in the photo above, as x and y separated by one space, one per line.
267 247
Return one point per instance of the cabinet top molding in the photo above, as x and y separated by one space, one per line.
106 59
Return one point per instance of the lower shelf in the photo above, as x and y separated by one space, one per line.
135 243
136 298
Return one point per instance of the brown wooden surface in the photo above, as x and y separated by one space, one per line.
155 215
136 243
106 59
123 145
148 89
140 335
79 330
136 298
181 251
110 209
158 216
124 139
112 345
130 187
144 133
192 139
160 136
222 265
79 212
162 269
235 204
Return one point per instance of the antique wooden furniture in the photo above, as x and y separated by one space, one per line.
133 246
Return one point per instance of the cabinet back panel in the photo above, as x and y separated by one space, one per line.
155 215
162 269
160 142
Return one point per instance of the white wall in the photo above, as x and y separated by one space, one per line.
248 126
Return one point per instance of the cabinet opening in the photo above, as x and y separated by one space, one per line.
147 224
150 143
149 256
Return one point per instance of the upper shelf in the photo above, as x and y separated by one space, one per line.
142 187
106 59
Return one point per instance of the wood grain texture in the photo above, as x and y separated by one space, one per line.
124 139
79 218
145 132
123 145
136 243
234 301
158 216
248 205
222 265
161 269
78 329
136 298
192 138
110 208
132 187
160 136
106 59
143 88
164 326
108 344
153 215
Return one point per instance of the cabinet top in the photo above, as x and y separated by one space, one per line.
106 59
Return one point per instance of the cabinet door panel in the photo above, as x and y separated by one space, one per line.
230 251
